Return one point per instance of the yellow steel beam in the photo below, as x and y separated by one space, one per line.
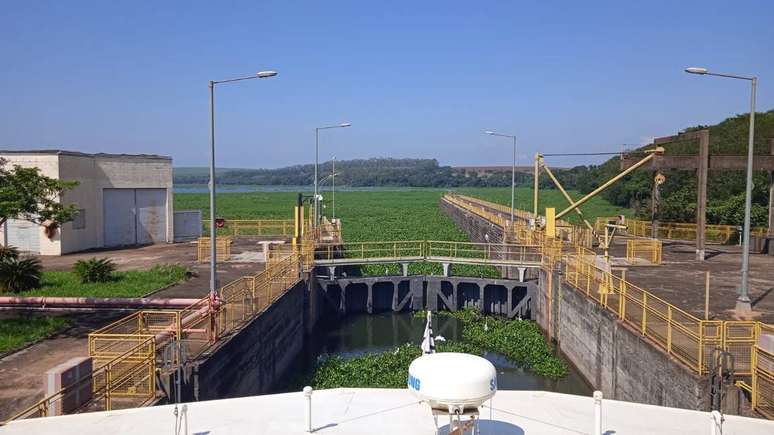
566 195
576 204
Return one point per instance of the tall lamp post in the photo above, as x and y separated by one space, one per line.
333 189
213 232
743 301
316 159
513 168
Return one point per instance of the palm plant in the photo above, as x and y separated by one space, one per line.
94 270
19 275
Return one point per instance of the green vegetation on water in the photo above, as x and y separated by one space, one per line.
520 341
386 216
16 332
128 284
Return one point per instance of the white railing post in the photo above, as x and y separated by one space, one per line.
308 397
716 423
597 413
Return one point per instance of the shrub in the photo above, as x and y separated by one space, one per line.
94 270
19 275
8 252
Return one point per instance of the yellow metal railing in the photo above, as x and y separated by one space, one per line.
520 231
763 372
222 247
720 234
126 381
126 353
254 227
644 249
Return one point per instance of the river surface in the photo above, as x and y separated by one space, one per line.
359 334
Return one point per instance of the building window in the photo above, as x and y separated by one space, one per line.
79 222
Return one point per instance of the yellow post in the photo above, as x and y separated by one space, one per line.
551 222
296 228
301 216
706 294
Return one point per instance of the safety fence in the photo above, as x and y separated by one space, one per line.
648 250
253 227
428 250
128 354
222 249
719 234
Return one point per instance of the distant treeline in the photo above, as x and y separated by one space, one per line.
361 172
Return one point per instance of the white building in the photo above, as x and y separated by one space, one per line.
122 200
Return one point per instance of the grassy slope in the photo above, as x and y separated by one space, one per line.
125 284
15 333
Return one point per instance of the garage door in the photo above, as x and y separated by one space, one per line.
151 215
24 235
134 216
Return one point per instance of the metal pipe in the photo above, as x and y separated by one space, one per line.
78 302
597 413
593 193
566 195
316 157
333 191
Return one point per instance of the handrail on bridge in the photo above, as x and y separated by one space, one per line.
428 250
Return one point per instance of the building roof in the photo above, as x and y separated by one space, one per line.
80 154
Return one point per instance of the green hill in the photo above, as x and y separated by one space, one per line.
678 193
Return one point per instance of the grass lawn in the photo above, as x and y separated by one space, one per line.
124 285
17 332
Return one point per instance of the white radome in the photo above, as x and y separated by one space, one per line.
452 381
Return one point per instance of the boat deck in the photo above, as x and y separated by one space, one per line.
386 411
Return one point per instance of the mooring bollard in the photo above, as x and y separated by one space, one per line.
308 396
716 423
597 413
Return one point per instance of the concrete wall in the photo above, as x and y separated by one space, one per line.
95 173
613 358
617 360
255 357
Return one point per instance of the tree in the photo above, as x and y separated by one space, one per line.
27 194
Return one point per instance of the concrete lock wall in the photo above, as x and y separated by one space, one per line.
614 359
252 360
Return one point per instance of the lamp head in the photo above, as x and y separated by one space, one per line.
345 124
696 70
489 132
265 74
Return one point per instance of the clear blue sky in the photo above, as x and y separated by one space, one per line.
415 78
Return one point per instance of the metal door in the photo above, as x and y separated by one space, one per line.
119 217
188 225
24 235
151 207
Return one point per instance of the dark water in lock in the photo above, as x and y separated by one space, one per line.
359 334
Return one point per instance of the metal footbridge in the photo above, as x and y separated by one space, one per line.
445 252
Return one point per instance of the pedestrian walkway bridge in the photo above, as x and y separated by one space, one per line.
491 254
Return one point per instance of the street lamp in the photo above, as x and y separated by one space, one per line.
333 189
213 235
316 158
743 301
513 169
